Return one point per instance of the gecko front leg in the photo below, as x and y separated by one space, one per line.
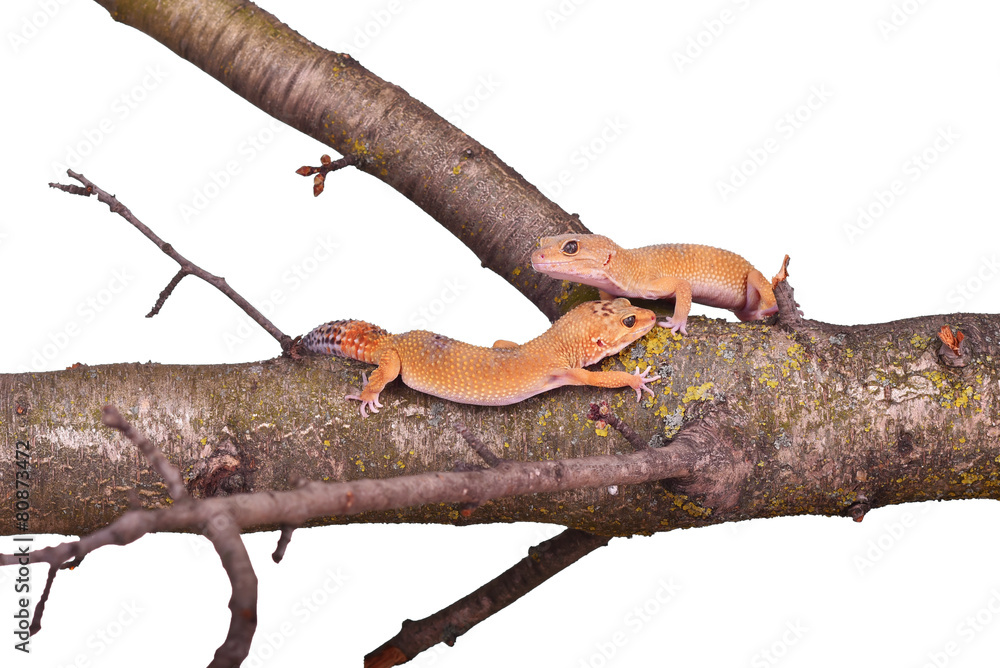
637 381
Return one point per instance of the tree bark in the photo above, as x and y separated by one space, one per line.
820 420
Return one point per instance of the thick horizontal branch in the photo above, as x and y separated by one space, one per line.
811 421
388 134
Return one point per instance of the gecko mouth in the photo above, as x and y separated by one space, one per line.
543 264
555 263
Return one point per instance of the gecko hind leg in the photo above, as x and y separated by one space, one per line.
387 371
760 298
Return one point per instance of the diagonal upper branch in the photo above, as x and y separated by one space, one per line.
392 136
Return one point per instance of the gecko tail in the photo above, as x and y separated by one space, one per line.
354 339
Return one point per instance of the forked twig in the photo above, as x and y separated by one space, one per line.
187 267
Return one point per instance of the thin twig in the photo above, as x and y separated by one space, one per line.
187 267
492 461
214 522
175 484
477 444
36 619
166 292
543 561
603 412
225 537
286 536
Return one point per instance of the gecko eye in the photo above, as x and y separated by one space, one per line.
571 248
628 320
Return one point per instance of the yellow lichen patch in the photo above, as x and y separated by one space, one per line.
919 341
788 366
456 170
796 352
768 377
517 271
684 503
951 393
963 398
970 478
700 393
601 431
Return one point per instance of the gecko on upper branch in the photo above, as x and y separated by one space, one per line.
686 272
497 376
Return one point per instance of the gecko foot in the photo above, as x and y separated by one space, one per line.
669 322
643 379
366 404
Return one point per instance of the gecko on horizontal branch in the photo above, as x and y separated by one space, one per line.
497 376
684 272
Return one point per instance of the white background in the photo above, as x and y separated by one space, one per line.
536 86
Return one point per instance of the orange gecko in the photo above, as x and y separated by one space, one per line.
686 272
497 376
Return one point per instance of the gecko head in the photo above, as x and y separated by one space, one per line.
605 327
574 257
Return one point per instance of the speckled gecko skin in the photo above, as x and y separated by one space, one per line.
497 376
686 272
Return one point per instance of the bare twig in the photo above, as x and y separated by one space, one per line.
166 292
286 536
603 412
543 561
477 444
175 485
187 267
217 525
474 442
225 537
36 619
